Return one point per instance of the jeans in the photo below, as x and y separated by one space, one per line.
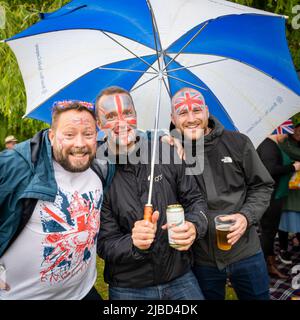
249 278
183 288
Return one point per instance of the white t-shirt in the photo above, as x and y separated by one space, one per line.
54 257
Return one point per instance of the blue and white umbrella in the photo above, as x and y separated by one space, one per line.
236 56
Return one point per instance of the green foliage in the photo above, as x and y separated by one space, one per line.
19 15
100 285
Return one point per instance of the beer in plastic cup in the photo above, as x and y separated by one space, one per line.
222 230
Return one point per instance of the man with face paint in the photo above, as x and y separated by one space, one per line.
237 185
50 202
139 262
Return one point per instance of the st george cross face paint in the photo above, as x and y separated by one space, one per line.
117 118
189 113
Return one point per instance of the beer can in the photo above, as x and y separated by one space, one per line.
175 218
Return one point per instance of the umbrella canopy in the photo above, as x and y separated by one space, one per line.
236 56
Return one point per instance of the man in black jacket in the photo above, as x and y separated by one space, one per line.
139 262
238 185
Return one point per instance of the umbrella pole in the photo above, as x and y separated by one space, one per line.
160 79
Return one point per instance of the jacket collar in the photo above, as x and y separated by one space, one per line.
37 152
217 130
209 139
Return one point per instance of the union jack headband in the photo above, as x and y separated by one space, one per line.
188 99
64 104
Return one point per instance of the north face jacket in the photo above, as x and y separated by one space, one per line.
235 181
126 265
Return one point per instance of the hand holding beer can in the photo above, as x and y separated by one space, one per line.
175 218
222 230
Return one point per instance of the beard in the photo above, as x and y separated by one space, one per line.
77 165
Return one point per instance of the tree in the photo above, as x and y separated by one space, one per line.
19 15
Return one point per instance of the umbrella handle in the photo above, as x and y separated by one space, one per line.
148 211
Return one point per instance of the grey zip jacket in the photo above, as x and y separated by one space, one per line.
236 181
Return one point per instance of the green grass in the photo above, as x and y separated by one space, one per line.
230 294
102 287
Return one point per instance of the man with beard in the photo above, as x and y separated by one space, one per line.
50 202
139 262
237 185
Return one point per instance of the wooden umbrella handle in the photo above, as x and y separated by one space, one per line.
148 211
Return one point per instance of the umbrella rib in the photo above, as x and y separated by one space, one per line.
143 83
197 65
126 70
155 139
120 44
184 81
195 35
169 93
155 31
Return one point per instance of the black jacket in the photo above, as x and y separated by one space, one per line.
271 156
125 265
236 181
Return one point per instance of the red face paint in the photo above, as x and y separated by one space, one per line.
189 101
118 117
115 109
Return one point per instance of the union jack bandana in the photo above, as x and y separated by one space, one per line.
64 104
189 99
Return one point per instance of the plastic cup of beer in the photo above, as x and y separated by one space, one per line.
222 230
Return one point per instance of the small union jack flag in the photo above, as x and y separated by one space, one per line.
285 127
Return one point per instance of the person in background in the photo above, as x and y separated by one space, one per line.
281 168
10 142
290 217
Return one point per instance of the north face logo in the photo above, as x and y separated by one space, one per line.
226 160
157 178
